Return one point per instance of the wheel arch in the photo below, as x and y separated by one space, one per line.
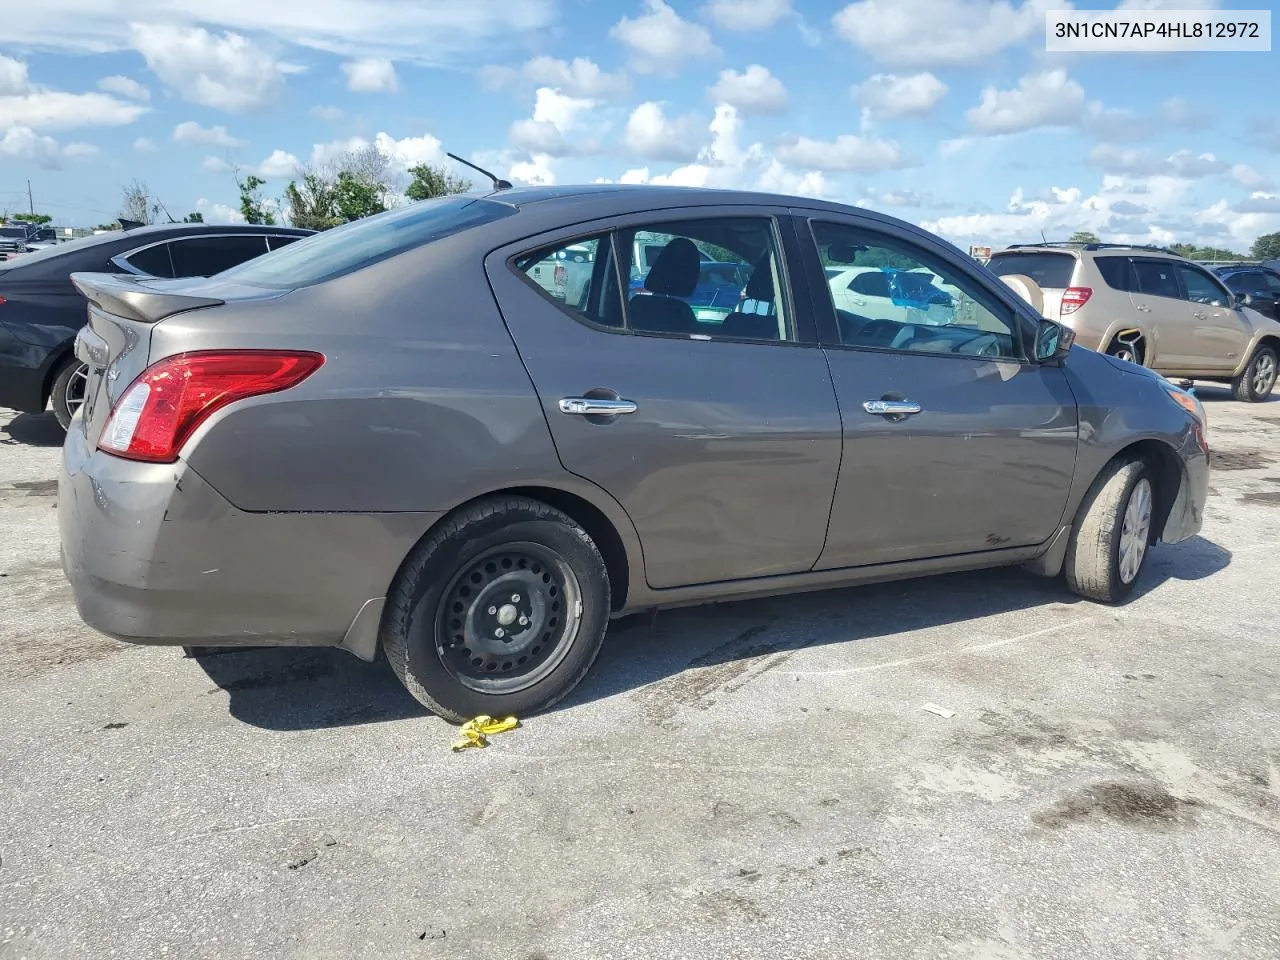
1167 473
55 362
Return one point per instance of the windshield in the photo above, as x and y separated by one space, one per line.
1049 270
324 256
19 232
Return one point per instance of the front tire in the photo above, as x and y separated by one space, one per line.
1112 534
1259 377
501 610
68 392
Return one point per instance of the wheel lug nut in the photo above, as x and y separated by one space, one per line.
492 611
515 598
524 621
499 633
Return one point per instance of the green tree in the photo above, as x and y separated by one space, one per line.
1083 236
355 197
431 181
37 218
1266 247
251 205
196 217
311 202
1193 252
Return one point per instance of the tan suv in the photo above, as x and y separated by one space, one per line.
1151 307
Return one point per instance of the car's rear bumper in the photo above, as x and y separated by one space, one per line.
156 555
22 372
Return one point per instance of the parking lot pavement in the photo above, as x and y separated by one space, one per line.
752 780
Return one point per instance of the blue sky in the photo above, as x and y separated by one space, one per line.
947 113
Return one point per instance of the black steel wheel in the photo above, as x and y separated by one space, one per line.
500 610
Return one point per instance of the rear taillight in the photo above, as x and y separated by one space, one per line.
1073 298
162 408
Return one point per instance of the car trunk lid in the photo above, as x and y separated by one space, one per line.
1052 270
115 344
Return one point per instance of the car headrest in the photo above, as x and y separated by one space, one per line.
675 272
760 286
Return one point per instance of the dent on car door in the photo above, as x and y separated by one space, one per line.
1221 334
717 432
954 442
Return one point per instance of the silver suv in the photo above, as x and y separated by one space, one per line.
1152 307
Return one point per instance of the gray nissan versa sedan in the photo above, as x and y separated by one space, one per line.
391 435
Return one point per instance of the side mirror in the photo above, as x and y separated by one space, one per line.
1053 341
1244 300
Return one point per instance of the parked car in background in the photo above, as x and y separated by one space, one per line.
40 310
1154 308
1256 286
41 238
887 292
13 240
392 435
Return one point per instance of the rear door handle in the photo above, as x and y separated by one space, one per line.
892 408
592 406
1144 308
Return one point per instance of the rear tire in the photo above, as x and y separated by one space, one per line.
501 610
67 394
1112 534
1259 377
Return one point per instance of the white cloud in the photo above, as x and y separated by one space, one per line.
747 14
580 77
329 114
192 132
894 198
494 78
1183 164
1259 203
42 109
661 41
438 32
229 72
23 143
890 95
125 87
535 171
14 79
1045 99
213 164
80 151
846 152
144 145
279 166
404 153
372 75
652 135
1250 178
554 116
218 212
940 33
1178 113
755 90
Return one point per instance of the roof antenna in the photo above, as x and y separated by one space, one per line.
1043 237
498 182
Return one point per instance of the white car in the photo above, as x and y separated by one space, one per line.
903 296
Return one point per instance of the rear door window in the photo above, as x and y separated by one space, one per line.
1117 272
152 260
1050 271
205 256
1156 277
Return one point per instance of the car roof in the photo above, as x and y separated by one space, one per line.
1078 248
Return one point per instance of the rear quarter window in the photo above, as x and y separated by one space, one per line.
325 256
1051 271
1117 272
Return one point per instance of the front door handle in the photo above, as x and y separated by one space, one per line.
592 406
1144 308
892 408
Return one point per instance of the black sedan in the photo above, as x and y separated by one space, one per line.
40 311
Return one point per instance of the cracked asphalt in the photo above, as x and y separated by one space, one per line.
755 780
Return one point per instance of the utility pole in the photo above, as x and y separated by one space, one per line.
30 200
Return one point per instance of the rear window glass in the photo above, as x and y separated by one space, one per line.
1051 271
324 256
1117 272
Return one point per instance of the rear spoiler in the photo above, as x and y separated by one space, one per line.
125 297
